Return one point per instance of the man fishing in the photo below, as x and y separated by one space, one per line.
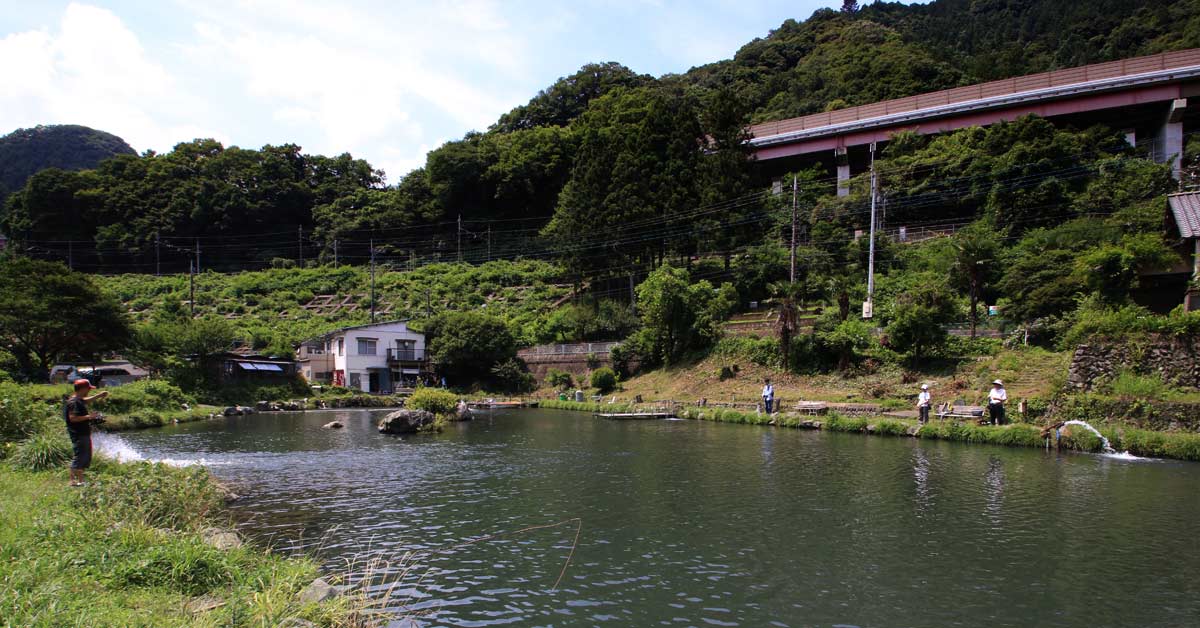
79 427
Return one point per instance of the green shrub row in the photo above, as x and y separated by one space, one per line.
586 406
1183 446
436 400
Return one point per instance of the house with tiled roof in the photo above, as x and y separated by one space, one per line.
1185 209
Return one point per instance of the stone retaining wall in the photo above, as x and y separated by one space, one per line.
1175 359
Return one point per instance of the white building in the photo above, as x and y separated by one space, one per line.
376 358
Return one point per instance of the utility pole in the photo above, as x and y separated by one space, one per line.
632 295
300 242
192 284
335 260
372 280
157 257
197 255
489 257
70 255
868 307
795 188
428 303
460 237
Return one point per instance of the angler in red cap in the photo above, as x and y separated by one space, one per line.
79 427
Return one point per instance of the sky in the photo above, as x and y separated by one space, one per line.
386 81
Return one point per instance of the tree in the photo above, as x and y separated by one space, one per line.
635 172
465 346
846 340
570 96
788 296
184 349
974 268
679 315
918 315
49 313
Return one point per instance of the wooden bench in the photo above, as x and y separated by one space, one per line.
951 411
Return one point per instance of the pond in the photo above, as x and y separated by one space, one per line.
695 524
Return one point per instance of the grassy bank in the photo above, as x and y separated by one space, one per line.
1182 446
129 549
1147 443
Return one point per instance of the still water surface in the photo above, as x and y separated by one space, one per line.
689 523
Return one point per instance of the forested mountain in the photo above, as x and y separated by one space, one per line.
604 155
67 146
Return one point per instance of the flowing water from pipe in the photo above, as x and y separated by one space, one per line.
1106 446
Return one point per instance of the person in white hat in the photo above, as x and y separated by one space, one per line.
924 400
996 399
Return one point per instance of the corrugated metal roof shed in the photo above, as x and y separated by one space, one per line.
1186 207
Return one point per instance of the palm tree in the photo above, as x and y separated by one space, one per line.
788 296
975 250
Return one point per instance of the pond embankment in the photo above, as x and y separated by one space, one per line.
143 544
1134 440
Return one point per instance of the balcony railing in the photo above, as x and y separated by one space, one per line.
406 355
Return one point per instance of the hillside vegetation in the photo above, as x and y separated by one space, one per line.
65 146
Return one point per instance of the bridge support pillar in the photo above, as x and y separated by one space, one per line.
843 170
1168 145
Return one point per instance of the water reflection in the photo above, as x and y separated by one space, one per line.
706 524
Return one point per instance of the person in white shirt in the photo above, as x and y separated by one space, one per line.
924 400
768 395
996 399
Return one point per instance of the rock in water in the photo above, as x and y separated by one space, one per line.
333 425
405 421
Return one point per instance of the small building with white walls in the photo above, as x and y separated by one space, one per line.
376 358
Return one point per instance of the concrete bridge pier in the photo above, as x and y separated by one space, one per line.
1168 143
842 159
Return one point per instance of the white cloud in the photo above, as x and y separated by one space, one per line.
93 71
360 81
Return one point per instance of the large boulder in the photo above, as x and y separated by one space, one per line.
405 421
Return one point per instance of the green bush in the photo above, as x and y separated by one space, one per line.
760 351
147 394
604 379
20 413
45 450
433 400
559 380
513 376
1130 385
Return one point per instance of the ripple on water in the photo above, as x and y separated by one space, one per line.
701 523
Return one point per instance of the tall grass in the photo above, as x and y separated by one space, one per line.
44 450
128 550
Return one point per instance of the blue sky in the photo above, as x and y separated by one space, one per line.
385 81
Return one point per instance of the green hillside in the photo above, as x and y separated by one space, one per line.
25 152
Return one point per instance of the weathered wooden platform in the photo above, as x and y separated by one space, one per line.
634 416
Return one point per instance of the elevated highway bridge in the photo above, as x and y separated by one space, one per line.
1145 97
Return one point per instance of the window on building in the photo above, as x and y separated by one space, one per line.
341 346
366 346
356 381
